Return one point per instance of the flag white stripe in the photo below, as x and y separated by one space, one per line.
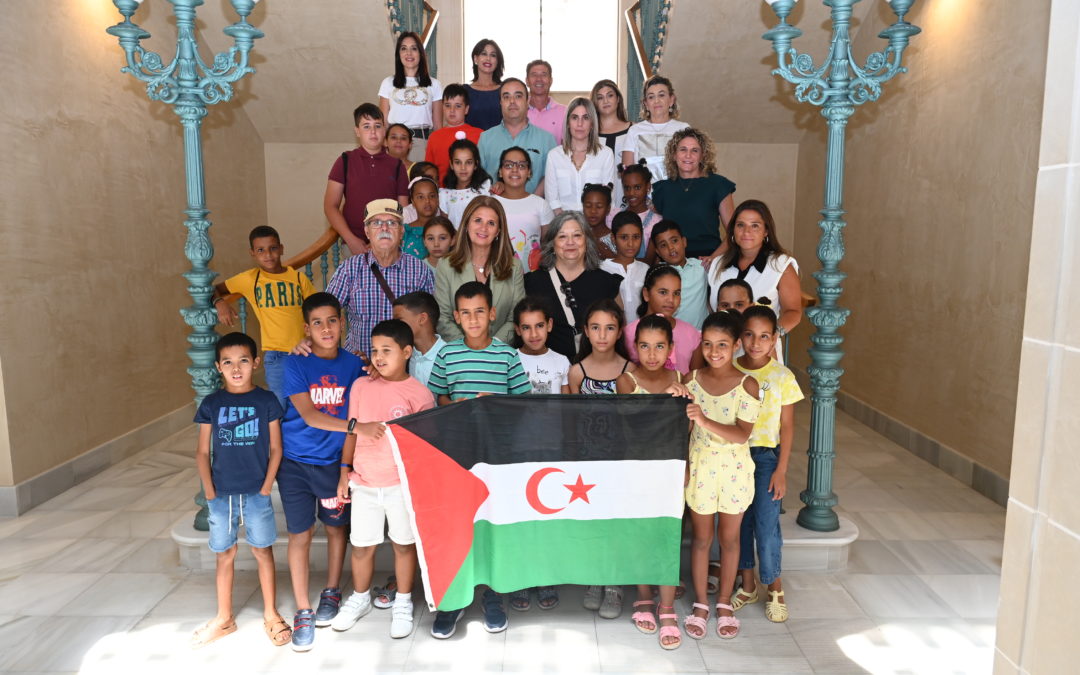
623 489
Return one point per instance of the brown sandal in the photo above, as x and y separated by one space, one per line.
279 632
207 633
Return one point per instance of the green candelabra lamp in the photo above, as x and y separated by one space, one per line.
838 85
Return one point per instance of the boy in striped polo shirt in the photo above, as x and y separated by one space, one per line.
477 364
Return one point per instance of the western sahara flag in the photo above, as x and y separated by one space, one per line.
521 491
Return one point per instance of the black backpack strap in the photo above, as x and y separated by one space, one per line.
345 172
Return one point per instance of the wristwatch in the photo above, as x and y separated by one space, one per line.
352 425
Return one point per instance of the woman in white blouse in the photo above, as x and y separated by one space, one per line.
411 96
581 159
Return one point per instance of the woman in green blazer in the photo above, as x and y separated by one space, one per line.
482 252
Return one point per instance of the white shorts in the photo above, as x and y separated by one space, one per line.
374 507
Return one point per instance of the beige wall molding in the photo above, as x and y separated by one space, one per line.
18 499
983 480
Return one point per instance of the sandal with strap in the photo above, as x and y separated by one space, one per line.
701 623
384 596
776 611
669 631
726 622
744 597
643 616
279 632
208 633
712 585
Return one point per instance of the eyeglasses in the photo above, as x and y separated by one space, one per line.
383 224
515 165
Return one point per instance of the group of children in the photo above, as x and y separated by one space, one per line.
321 432
321 435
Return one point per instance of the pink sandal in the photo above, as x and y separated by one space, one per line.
669 631
726 621
699 622
642 616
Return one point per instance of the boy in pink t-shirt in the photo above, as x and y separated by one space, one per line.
369 474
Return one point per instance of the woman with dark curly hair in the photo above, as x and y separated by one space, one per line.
694 195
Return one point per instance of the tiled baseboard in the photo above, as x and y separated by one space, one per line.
962 468
43 487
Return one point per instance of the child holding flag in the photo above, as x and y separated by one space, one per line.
720 473
654 343
369 477
475 365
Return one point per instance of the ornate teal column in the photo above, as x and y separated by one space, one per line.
190 85
838 86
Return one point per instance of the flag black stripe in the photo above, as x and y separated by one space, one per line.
551 428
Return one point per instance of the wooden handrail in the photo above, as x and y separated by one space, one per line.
309 254
635 38
429 27
808 300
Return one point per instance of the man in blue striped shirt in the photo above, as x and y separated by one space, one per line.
477 364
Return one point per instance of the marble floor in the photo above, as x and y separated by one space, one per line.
90 582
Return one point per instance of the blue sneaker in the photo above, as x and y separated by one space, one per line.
329 603
494 614
446 623
303 634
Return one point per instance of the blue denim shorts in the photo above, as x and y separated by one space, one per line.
228 512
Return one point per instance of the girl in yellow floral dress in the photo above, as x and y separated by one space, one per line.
720 473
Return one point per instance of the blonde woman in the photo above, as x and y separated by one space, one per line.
580 160
482 252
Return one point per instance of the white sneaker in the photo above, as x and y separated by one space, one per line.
351 610
611 607
592 597
401 621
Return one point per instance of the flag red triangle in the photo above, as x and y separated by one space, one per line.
445 498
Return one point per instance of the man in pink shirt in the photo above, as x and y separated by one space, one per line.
369 475
544 111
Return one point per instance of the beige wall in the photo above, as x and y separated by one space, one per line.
295 183
764 171
939 192
91 243
1036 632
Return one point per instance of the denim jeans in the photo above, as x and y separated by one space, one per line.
762 519
274 363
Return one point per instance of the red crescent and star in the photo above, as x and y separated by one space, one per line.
578 490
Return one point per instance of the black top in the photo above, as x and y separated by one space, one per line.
590 286
609 140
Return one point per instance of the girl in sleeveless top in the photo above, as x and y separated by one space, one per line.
720 473
602 356
654 340
601 359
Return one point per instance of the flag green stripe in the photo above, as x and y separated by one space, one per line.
547 552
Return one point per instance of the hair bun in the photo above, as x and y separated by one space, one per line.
764 302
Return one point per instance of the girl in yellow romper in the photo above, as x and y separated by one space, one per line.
720 473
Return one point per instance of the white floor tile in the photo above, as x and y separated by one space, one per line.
126 594
895 596
42 594
936 557
972 596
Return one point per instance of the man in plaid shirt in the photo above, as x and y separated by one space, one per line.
358 283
